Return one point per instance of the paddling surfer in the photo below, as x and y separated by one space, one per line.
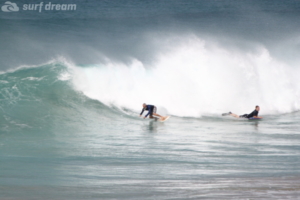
254 114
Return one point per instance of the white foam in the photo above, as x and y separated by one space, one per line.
196 78
34 78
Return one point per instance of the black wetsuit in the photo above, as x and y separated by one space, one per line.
150 108
254 113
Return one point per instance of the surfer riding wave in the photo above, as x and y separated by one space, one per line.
151 111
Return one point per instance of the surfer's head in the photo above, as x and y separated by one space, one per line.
144 105
257 108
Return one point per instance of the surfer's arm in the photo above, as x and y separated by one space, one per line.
148 114
142 111
257 117
150 108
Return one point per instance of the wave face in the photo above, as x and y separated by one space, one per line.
195 77
190 78
41 99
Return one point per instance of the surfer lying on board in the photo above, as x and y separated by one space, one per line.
254 114
151 111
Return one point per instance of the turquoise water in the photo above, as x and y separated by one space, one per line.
72 85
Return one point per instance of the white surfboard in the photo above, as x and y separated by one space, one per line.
166 118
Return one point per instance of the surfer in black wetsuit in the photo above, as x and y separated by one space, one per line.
254 114
151 111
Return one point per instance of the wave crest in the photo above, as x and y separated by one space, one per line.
195 77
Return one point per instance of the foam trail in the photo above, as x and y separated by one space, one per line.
196 78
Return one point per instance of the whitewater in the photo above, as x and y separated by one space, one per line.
195 78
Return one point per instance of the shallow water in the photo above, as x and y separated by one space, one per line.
131 158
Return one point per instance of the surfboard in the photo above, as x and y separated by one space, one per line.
252 118
166 118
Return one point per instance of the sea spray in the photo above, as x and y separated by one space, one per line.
193 78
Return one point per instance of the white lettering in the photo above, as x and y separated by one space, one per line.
25 7
64 7
30 6
41 5
71 6
48 6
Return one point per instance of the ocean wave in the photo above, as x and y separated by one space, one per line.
195 77
41 98
192 78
